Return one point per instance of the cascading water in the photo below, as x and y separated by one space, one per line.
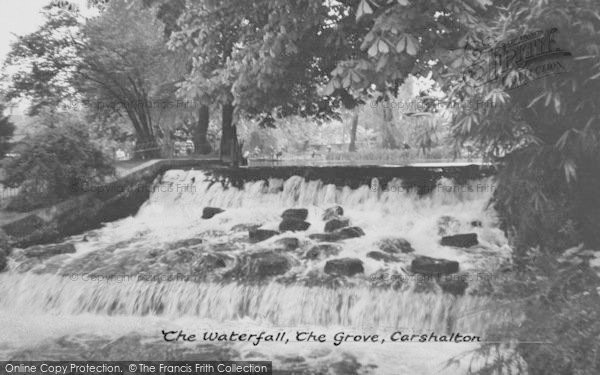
151 272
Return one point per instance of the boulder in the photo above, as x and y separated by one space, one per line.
454 284
3 260
395 245
378 255
338 234
344 267
293 225
322 251
265 264
324 237
432 266
336 223
46 251
24 226
295 213
333 212
447 225
4 243
460 240
209 212
350 232
257 235
288 243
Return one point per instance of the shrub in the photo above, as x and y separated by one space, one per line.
54 164
557 326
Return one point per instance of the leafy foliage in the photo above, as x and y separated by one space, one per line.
269 60
117 62
44 61
55 164
547 131
7 129
126 65
553 320
405 37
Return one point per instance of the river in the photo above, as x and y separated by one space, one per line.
167 268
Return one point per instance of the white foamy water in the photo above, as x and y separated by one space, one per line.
57 296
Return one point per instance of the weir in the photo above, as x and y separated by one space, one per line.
166 263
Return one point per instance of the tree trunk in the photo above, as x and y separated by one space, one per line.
387 137
201 144
228 141
146 146
354 122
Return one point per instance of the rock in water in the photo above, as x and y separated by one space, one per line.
322 251
257 235
453 284
432 266
295 213
350 232
447 225
46 251
4 244
288 243
3 260
209 212
378 255
262 265
337 235
460 240
344 267
336 223
293 225
395 245
333 212
324 237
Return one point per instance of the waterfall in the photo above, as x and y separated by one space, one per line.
276 304
99 284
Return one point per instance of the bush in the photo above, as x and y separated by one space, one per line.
557 326
53 165
541 208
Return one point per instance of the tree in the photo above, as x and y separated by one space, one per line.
168 12
545 129
7 129
43 62
400 38
272 62
353 129
126 65
117 62
209 32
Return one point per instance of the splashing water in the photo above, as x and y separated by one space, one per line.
63 292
